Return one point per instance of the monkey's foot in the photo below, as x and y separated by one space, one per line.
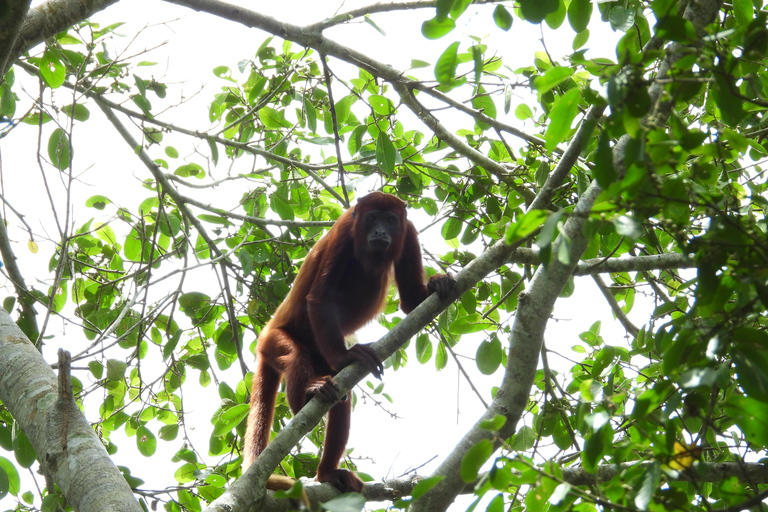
342 479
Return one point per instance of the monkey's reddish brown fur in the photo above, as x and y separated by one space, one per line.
341 286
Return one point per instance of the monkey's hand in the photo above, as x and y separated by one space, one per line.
442 284
362 353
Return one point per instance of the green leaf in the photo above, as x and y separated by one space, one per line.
474 460
99 202
535 11
502 18
58 149
675 28
80 112
524 440
525 225
743 11
273 119
604 170
561 117
648 485
279 205
116 369
580 40
435 28
351 502
451 228
12 475
369 21
214 150
344 107
523 112
170 346
386 153
627 226
445 67
421 488
488 356
468 324
494 424
730 105
622 18
579 14
423 348
146 441
556 18
551 79
229 418
381 105
186 473
22 448
751 416
52 70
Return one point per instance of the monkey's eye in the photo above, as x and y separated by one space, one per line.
392 220
370 219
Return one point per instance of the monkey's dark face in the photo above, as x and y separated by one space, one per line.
381 227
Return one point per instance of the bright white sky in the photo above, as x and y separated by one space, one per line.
434 409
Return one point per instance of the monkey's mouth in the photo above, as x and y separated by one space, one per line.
378 244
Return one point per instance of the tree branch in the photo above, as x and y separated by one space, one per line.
48 19
66 445
11 19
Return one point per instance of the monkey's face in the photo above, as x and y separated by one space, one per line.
381 227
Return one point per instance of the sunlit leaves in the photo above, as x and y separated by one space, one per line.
551 78
474 459
579 14
386 153
445 67
562 115
146 441
52 69
273 119
437 28
502 18
622 18
525 225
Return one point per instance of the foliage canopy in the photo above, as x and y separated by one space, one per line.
641 170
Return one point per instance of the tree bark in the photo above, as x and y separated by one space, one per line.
67 447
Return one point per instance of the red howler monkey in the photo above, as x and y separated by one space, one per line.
341 286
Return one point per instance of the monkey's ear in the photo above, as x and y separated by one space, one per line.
354 212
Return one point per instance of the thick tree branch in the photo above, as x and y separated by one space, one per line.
50 18
66 445
667 261
11 17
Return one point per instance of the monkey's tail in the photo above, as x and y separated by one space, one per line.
266 381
